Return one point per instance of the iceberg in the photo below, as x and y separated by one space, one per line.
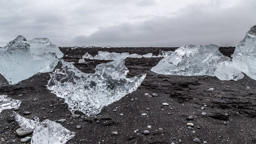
42 46
17 63
45 132
191 60
89 93
8 103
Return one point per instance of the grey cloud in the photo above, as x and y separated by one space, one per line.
192 25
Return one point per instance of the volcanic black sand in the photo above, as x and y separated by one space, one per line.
226 115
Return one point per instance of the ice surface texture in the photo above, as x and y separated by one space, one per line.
45 132
89 93
42 46
8 103
243 59
17 63
191 60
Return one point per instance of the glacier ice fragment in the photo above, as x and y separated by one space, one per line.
243 60
89 93
17 63
8 103
45 132
191 60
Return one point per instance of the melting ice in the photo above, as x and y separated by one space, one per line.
243 59
102 55
18 63
89 93
8 103
191 60
45 132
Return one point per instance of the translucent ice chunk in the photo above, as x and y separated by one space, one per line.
8 103
17 63
191 60
25 123
42 46
244 57
49 132
89 93
45 132
228 71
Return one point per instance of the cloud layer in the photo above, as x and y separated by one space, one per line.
128 22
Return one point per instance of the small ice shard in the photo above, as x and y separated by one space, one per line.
25 123
148 55
135 56
191 60
50 132
42 46
89 93
8 103
17 63
45 132
102 55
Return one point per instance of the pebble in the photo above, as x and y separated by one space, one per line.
26 113
149 126
23 132
78 127
165 104
61 120
146 94
196 140
190 118
190 124
161 129
154 94
114 132
121 114
211 89
146 132
203 113
143 114
25 139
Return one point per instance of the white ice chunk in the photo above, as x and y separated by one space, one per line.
17 63
89 93
191 60
42 46
8 103
45 132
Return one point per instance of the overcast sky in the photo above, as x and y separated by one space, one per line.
128 22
